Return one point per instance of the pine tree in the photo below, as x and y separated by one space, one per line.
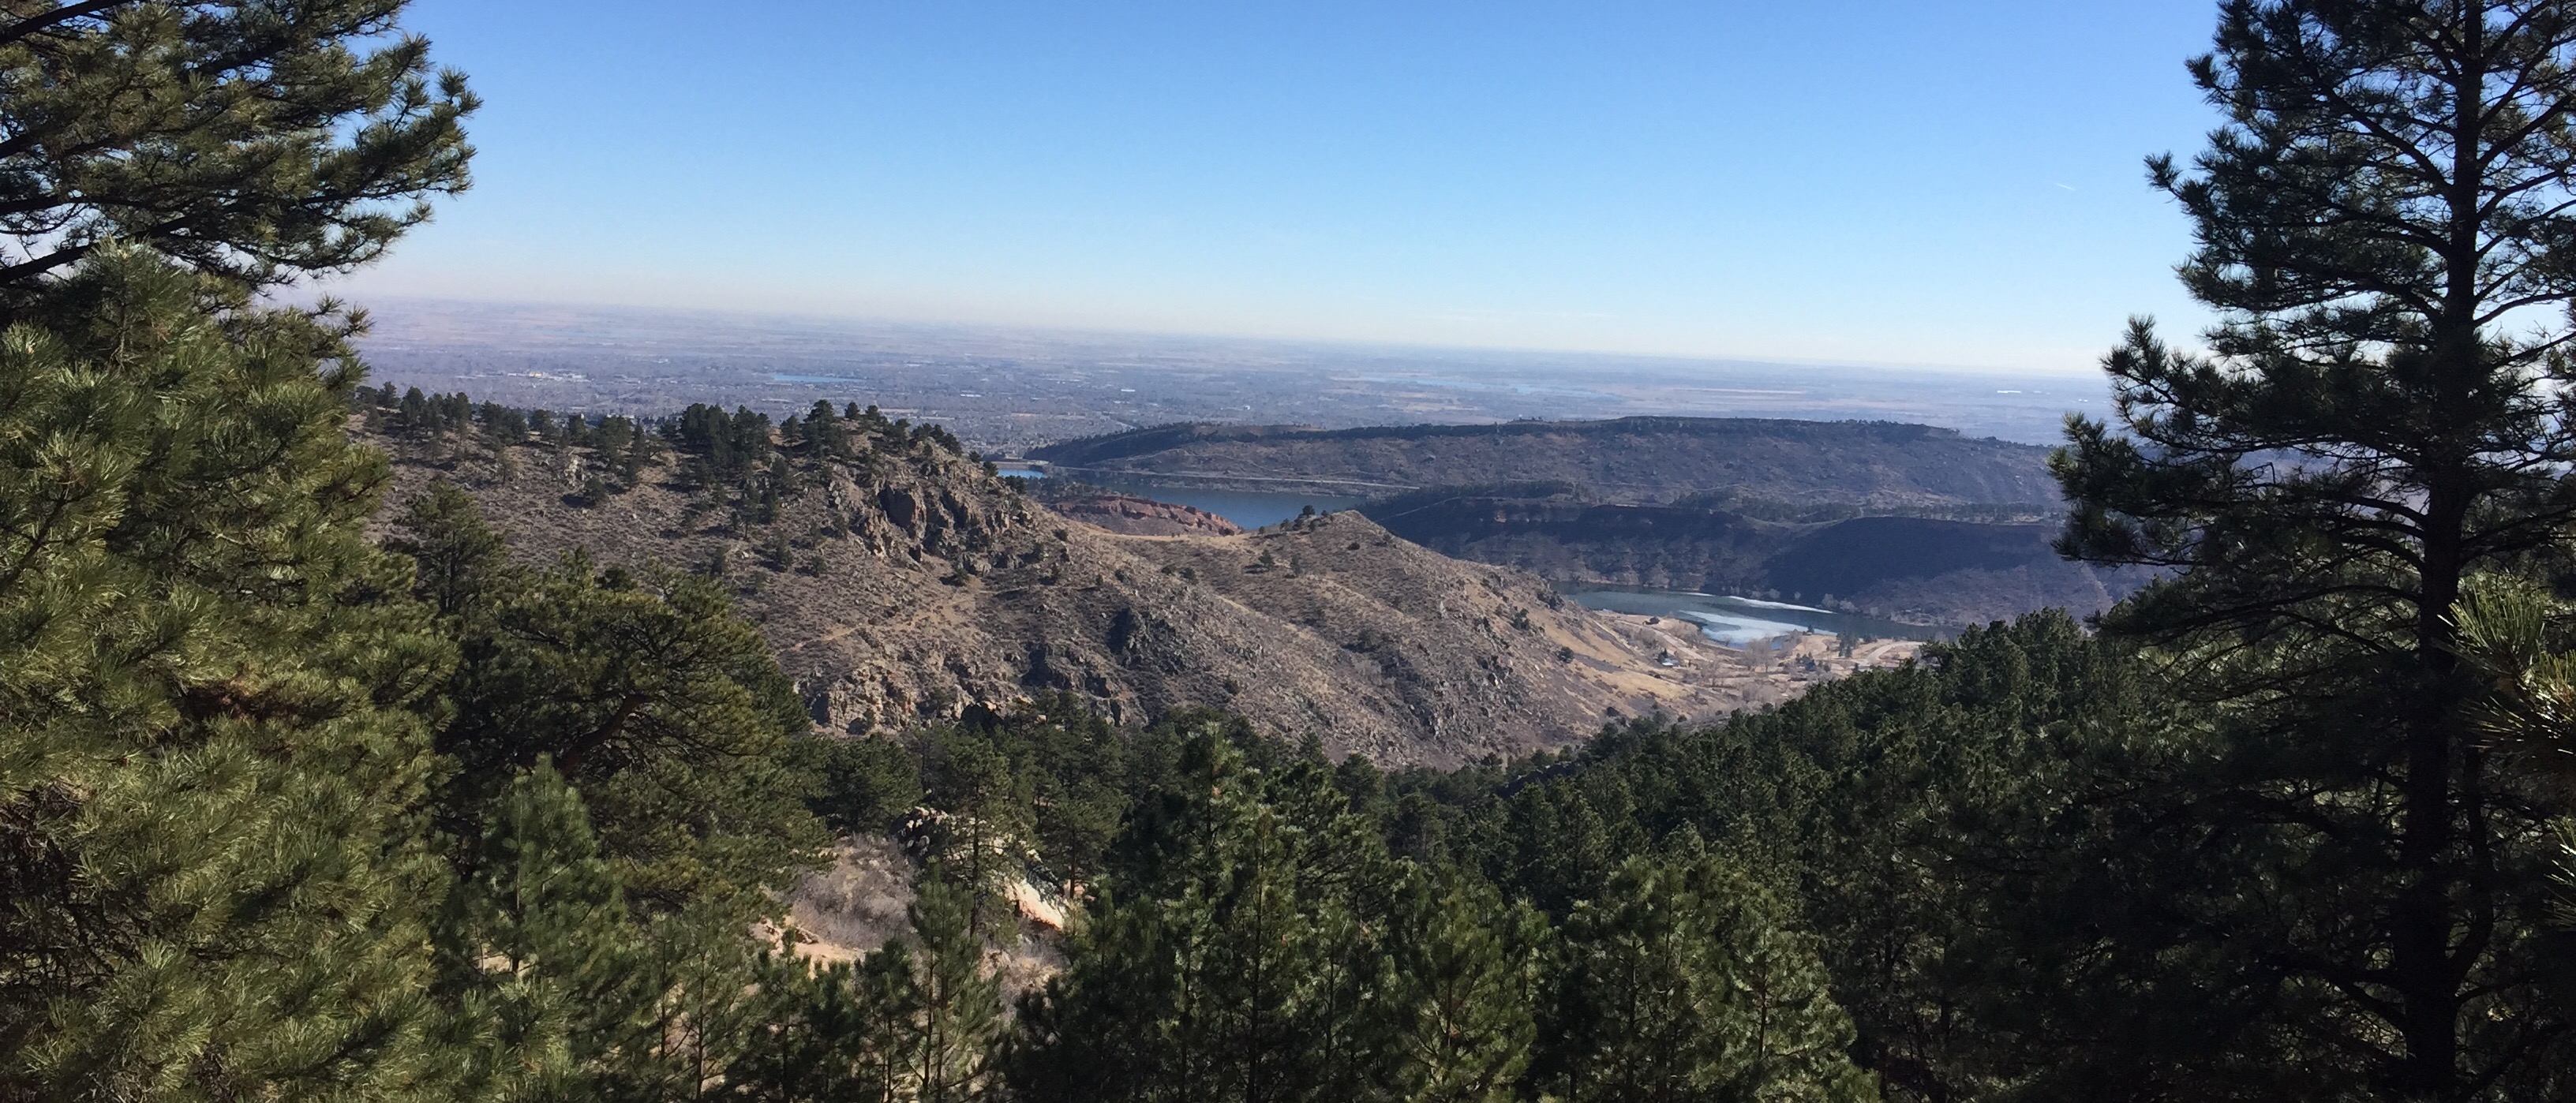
665 723
953 1016
1229 963
983 839
208 693
829 1034
660 706
539 958
251 141
1685 984
828 437
2384 227
2517 636
455 557
1464 983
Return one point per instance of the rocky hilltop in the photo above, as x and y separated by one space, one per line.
1134 516
901 581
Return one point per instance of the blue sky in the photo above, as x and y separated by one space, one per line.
1925 183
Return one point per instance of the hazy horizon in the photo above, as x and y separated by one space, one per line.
1946 186
378 304
1007 387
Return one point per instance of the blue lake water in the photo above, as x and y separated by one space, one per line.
1737 621
1734 621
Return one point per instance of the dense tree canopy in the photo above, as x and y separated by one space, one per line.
212 710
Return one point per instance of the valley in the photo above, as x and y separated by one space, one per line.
1898 522
901 582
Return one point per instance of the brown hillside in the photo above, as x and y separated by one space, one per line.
907 584
1130 515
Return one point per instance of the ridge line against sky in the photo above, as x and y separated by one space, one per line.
1940 184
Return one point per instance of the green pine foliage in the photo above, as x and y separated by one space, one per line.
2380 417
950 1017
1256 940
666 712
1464 979
519 830
826 1034
1227 963
252 141
212 722
1684 982
1912 822
915 1021
545 967
289 814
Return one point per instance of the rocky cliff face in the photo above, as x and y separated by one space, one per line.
907 585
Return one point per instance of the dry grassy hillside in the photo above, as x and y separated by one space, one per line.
907 584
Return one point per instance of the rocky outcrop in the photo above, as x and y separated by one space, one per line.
908 585
1133 516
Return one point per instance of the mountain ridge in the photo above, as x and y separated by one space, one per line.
908 584
1921 569
1869 464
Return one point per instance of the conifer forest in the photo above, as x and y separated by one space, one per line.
314 790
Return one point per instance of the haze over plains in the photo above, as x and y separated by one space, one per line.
1949 185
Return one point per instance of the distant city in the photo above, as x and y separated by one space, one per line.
1003 390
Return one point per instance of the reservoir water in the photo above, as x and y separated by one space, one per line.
1737 621
1250 510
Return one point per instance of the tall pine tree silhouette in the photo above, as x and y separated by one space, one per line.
2386 235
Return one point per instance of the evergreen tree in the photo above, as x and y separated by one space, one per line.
918 1022
2518 637
416 416
681 745
952 1019
983 838
1921 818
543 966
253 141
1228 962
1463 985
1685 984
455 557
208 694
824 1034
661 707
2383 228
827 437
865 784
